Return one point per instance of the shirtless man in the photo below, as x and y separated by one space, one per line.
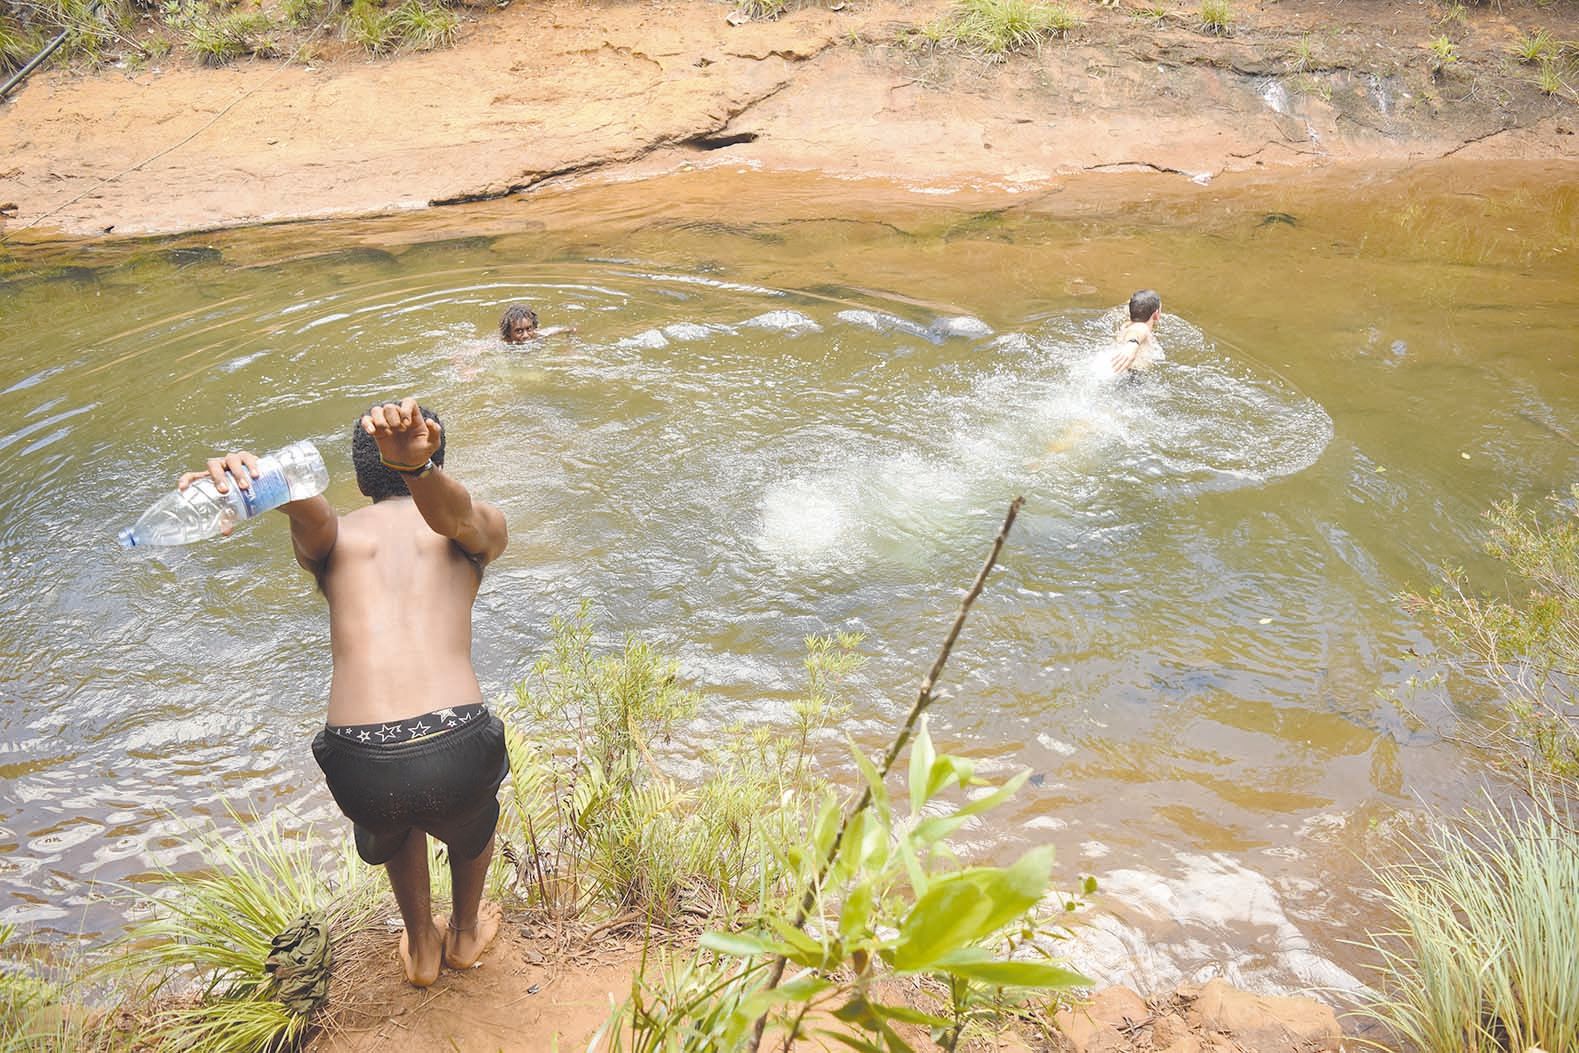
1136 348
408 749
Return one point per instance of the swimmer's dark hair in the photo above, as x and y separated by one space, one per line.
513 314
372 478
1143 305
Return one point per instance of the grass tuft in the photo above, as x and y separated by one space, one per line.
997 28
1483 955
412 26
17 45
1536 47
1217 18
213 931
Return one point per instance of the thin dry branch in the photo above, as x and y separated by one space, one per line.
924 698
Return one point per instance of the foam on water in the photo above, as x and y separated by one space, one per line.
1034 415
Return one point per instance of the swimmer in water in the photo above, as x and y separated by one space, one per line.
519 325
1136 348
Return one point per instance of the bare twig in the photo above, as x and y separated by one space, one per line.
923 700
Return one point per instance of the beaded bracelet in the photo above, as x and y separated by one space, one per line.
417 471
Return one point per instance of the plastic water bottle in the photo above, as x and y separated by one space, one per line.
201 511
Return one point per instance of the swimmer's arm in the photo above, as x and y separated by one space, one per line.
449 510
314 530
556 330
1126 353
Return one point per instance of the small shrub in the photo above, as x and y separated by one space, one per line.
218 39
1454 14
1156 15
1536 47
1217 18
602 826
299 14
1527 648
1483 953
1444 53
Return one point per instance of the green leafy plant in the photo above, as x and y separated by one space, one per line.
593 821
891 902
1156 14
1483 953
876 899
1217 18
1527 648
1443 53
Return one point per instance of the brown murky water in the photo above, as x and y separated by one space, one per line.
794 406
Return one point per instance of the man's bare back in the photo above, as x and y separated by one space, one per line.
400 599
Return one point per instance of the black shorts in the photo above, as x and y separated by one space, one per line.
446 785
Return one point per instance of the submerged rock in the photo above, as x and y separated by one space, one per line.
784 322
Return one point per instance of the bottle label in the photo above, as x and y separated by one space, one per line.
269 490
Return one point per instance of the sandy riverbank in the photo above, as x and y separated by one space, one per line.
535 94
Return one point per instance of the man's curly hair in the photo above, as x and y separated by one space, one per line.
513 314
372 478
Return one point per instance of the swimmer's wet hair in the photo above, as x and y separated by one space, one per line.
514 313
1143 305
372 478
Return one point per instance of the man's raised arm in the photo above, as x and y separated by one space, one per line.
407 442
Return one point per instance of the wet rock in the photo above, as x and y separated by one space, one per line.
1261 1023
1209 1018
1105 1024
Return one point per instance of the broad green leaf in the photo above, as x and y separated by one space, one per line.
1044 975
803 949
921 756
856 912
944 919
801 989
1015 889
919 882
905 1014
740 944
855 1042
963 908
858 1011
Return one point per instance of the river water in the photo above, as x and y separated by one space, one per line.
794 406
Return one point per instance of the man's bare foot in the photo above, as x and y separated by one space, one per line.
464 946
423 963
